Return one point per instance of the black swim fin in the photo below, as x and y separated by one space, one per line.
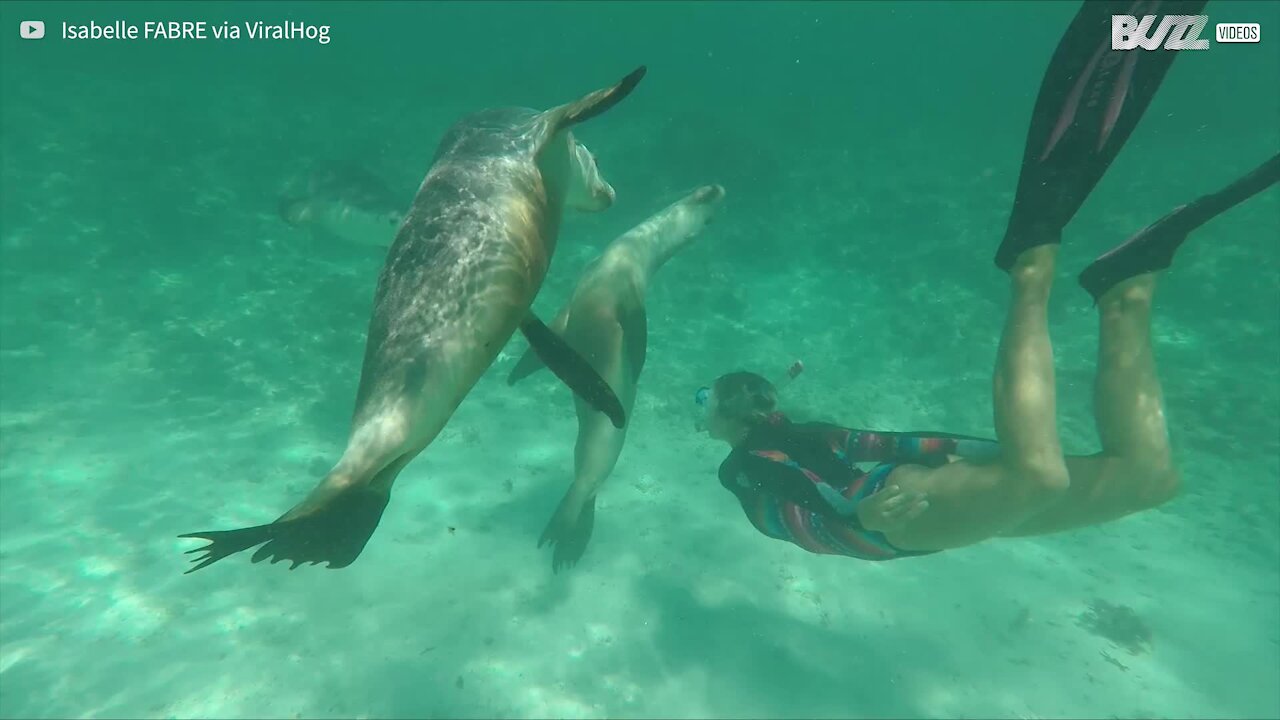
572 369
1153 247
337 533
1090 101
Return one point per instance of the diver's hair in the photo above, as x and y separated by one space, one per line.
745 397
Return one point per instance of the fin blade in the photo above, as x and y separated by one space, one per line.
572 369
1152 248
1070 144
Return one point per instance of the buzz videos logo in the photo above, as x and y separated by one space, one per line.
31 29
1175 32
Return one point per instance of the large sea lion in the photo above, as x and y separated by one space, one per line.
605 321
458 280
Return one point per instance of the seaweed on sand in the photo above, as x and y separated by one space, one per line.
1117 623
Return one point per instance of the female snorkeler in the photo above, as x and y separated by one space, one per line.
936 491
933 491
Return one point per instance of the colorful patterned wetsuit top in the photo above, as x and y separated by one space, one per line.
777 470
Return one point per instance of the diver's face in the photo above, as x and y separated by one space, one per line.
712 421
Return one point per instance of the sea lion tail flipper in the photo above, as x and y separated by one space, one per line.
336 533
595 103
572 369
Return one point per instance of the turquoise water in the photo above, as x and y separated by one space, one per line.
174 357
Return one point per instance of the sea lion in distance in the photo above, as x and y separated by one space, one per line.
605 321
458 280
345 201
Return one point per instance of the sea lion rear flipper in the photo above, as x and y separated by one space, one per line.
572 369
225 543
336 534
594 103
569 539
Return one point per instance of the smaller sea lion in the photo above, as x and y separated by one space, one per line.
606 323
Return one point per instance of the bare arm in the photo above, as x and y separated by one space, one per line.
924 448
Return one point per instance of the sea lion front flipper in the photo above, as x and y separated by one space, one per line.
336 534
594 103
569 537
529 363
572 369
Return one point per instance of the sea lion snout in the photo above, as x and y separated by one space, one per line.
589 191
294 211
605 195
697 209
708 194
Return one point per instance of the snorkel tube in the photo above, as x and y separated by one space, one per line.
792 372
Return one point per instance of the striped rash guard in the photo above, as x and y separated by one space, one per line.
779 471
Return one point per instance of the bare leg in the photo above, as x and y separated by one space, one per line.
1128 403
1135 469
969 502
1025 400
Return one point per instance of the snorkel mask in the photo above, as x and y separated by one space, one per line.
702 398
